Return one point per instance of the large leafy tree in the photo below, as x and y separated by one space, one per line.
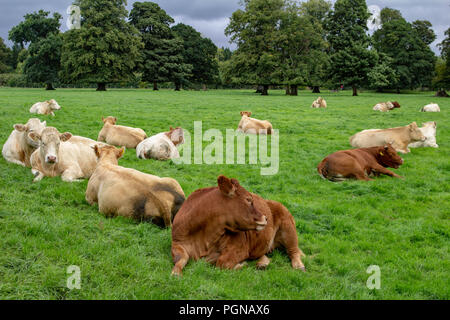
442 80
162 54
255 31
424 30
351 58
41 32
200 53
105 49
412 58
5 56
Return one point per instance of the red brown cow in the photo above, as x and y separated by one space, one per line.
360 163
227 225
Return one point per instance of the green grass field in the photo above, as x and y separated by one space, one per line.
402 226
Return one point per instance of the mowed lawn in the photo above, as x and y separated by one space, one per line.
400 225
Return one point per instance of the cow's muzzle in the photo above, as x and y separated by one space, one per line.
51 159
260 225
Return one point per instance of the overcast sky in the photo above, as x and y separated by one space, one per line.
210 17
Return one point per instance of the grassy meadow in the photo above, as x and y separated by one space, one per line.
402 226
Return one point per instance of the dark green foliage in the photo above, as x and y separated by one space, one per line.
351 59
44 53
412 59
442 80
198 52
5 57
106 49
424 30
162 53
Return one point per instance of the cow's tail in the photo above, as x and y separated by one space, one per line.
142 210
269 130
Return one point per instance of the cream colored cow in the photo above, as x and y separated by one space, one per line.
19 147
429 131
319 103
162 146
432 107
399 137
252 125
130 193
46 107
120 135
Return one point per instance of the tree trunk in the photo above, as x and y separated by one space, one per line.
49 87
265 90
442 93
259 89
101 86
316 89
398 90
155 86
294 90
288 90
355 91
177 86
204 87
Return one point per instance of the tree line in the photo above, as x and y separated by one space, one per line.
278 43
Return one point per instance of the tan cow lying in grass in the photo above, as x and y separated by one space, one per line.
432 107
70 157
429 131
162 146
399 137
252 125
386 106
46 107
130 193
120 135
227 225
319 103
19 147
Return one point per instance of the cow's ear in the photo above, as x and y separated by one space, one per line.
115 119
242 113
20 127
65 136
225 186
413 125
249 113
171 129
36 137
120 152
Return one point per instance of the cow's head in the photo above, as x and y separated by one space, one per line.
49 141
108 153
33 125
396 104
388 157
176 135
246 113
53 104
110 120
239 207
415 133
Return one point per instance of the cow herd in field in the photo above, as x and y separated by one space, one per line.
225 224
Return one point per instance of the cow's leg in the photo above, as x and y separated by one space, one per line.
180 258
361 175
38 176
12 160
232 257
91 195
72 174
287 237
385 171
262 262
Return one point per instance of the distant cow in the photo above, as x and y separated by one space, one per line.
386 106
120 135
227 225
429 131
360 163
319 103
162 146
252 125
432 107
130 193
61 154
19 147
399 137
46 107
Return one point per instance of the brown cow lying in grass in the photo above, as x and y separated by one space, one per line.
70 157
19 147
227 225
130 193
120 135
399 137
360 163
252 125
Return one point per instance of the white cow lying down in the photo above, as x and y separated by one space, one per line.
46 107
432 107
19 147
162 146
429 131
